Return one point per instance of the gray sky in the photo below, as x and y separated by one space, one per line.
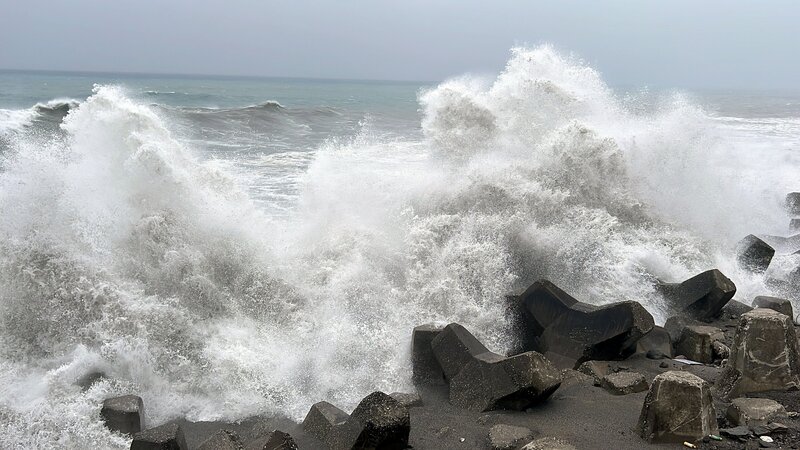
676 43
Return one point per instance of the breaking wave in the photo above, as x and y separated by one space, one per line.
123 253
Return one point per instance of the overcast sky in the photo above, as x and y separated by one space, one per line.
691 43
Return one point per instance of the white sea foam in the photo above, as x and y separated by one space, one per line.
123 253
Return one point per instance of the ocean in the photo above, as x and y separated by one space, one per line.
231 247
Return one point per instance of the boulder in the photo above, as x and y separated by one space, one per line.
166 437
321 418
222 440
379 421
754 254
793 203
507 437
678 408
406 399
595 369
764 355
124 414
752 412
701 297
87 380
781 305
569 332
481 380
696 342
548 443
571 377
674 327
278 440
624 383
656 344
425 368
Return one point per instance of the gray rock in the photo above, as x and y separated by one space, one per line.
481 380
754 254
569 332
781 305
793 203
752 412
222 440
124 414
624 383
548 443
86 381
407 400
505 437
696 342
321 418
657 343
379 421
678 408
764 356
166 437
735 432
425 368
595 369
701 297
721 351
278 440
570 377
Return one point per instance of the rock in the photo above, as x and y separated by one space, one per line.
379 421
569 332
222 440
425 368
678 408
657 343
595 369
764 355
407 400
548 443
321 418
754 254
794 224
736 432
166 437
86 381
695 342
481 380
278 440
701 297
793 203
674 327
570 377
781 305
720 350
624 383
663 365
124 414
752 412
505 437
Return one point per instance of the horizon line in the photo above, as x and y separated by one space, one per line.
209 75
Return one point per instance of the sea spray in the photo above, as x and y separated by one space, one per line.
124 253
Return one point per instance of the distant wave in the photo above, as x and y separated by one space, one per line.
52 111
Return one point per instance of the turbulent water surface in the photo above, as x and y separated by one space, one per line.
232 247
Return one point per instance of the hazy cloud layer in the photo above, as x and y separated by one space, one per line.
685 43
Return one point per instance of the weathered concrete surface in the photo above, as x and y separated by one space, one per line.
481 380
677 408
755 411
764 355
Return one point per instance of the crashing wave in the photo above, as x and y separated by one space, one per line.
123 253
